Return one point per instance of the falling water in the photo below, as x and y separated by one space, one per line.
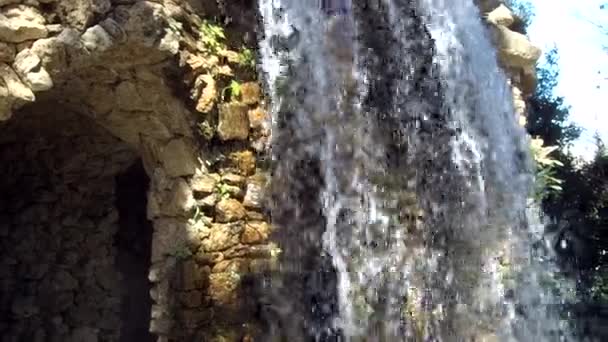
400 178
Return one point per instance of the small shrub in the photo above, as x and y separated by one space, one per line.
212 36
545 181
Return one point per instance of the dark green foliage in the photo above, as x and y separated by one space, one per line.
547 113
523 10
582 204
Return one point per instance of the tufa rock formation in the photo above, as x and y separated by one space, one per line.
516 54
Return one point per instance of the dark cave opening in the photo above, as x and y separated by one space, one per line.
133 242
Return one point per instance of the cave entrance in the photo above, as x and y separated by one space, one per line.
74 239
133 242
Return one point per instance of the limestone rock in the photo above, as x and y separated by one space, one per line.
515 50
250 93
255 232
204 184
229 210
233 121
192 276
52 53
223 288
501 16
191 299
178 200
232 265
23 12
96 39
29 67
257 117
15 86
6 102
222 237
254 196
179 158
17 29
169 236
243 162
7 52
208 95
233 179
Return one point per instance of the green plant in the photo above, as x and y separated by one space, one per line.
181 252
197 216
246 58
212 36
235 90
223 190
545 181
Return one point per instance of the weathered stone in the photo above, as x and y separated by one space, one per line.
24 12
257 117
222 237
250 93
233 265
178 200
128 97
204 184
211 258
191 299
84 334
179 158
254 196
208 201
169 236
233 179
7 52
192 276
229 210
195 318
208 93
515 50
223 288
6 102
255 216
28 66
96 39
16 88
233 121
52 53
243 162
16 29
255 232
160 322
501 16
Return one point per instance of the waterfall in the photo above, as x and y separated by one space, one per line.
400 178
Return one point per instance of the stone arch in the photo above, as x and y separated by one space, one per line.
60 276
124 67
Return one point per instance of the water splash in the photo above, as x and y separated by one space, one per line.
400 178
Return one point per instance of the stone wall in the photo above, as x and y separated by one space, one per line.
155 76
58 221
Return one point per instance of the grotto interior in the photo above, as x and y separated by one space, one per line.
75 245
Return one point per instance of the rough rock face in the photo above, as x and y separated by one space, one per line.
516 54
153 75
58 224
